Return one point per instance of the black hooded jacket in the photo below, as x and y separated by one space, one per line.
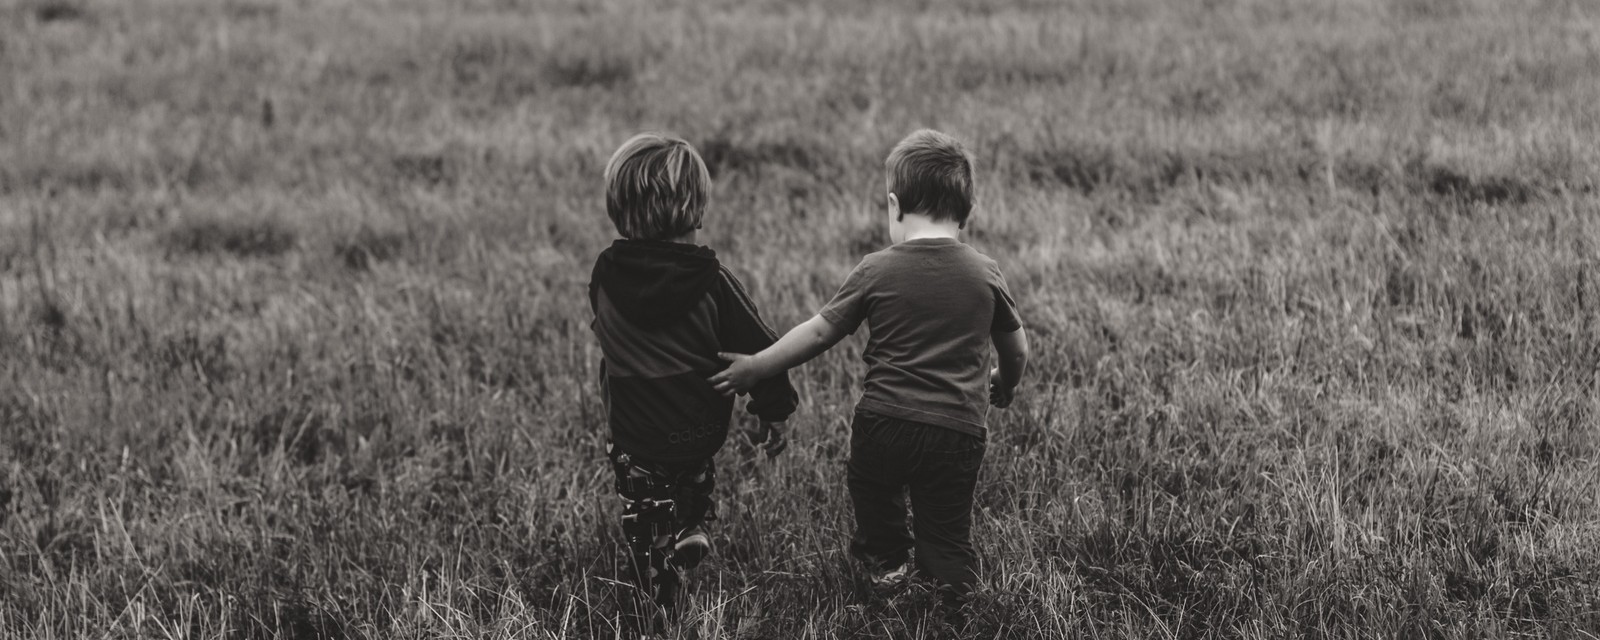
662 312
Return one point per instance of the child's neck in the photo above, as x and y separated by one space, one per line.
687 238
919 227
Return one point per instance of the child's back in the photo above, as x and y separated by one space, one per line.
662 312
930 306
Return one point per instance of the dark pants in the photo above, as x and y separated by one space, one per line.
940 466
661 502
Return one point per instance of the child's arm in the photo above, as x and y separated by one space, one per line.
772 399
804 342
1013 349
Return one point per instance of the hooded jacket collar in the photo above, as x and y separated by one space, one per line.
653 282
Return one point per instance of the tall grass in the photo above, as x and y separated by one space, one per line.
293 338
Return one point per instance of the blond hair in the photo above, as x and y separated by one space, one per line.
930 173
657 187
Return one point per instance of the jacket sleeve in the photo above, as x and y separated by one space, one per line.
741 330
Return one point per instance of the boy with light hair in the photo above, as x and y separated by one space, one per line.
664 307
932 306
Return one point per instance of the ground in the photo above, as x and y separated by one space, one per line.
294 337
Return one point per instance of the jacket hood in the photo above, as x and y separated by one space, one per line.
653 282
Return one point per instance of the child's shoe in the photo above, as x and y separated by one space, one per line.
891 578
693 547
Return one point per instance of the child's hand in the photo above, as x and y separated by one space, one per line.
770 436
1000 395
741 374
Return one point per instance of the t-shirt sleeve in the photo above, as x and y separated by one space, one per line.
848 308
1006 318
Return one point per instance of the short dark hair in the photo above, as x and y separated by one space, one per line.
931 174
656 187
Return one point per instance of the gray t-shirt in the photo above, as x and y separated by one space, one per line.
930 305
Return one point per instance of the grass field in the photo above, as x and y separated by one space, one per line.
294 340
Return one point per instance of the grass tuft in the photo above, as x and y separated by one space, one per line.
255 237
725 156
52 11
589 69
367 247
1486 190
427 169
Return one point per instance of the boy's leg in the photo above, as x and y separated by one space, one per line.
877 481
696 507
649 547
941 506
648 522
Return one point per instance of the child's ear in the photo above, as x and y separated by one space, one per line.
894 208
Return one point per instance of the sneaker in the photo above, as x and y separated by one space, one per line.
891 578
693 547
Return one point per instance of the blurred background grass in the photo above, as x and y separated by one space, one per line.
294 342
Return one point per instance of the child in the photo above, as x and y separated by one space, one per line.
664 307
932 306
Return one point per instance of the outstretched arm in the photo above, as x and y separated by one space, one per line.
804 342
1012 347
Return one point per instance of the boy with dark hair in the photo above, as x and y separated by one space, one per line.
932 306
664 307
